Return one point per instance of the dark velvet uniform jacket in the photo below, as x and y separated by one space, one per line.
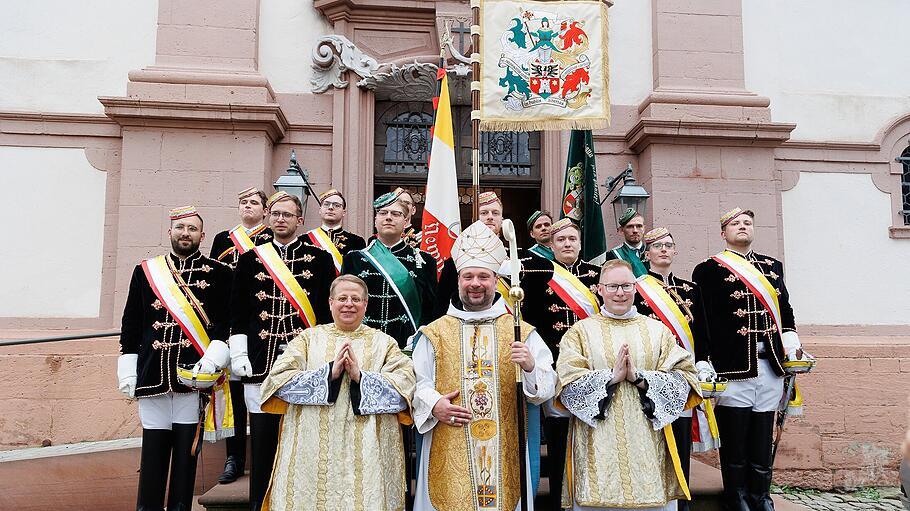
738 324
687 296
150 331
260 310
345 241
222 243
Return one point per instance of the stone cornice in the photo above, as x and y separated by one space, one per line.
46 123
159 74
407 12
649 130
266 117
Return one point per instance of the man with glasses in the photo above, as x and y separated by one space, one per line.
280 289
753 336
227 247
632 249
331 236
677 303
625 379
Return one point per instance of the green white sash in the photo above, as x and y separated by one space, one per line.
397 276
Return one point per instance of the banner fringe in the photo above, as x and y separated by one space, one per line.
544 124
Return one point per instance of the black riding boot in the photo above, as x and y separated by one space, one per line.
556 430
156 454
183 468
263 445
235 445
760 438
733 423
682 433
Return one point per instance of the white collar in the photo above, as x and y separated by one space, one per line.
282 245
629 315
639 247
497 309
248 231
326 228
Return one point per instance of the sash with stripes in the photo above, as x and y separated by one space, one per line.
573 292
755 280
286 282
398 277
243 242
660 301
321 239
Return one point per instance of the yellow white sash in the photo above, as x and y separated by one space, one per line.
321 239
165 287
242 241
285 281
573 292
660 301
755 280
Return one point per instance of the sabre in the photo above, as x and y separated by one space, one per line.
782 414
516 293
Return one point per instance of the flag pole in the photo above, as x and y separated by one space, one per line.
475 108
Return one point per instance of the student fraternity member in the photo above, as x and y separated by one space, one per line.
465 404
632 249
280 289
341 385
175 316
677 303
227 247
539 226
753 341
331 236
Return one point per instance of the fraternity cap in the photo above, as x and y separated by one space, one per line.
655 234
277 197
561 224
628 215
533 218
248 192
387 198
478 247
728 217
330 192
488 198
183 212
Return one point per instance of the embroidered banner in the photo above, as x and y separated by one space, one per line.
321 239
286 282
573 292
754 280
666 308
161 279
544 65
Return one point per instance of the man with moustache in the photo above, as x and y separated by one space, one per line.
331 236
632 249
752 335
539 225
558 294
280 289
175 315
677 303
227 247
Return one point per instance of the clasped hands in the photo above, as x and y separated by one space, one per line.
624 370
346 361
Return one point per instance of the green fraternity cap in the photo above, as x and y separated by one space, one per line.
628 215
386 199
533 218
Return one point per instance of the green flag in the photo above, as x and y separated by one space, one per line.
581 199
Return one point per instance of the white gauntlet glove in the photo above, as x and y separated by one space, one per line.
217 357
790 340
126 374
706 372
240 362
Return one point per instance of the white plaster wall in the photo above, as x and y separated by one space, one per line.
841 266
55 205
837 68
288 30
631 70
60 55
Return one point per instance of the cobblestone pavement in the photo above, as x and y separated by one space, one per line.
823 501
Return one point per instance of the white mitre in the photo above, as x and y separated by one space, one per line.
478 247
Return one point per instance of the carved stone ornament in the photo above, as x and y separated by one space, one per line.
411 82
333 55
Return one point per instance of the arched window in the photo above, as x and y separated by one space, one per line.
905 185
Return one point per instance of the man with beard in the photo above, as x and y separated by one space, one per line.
753 336
280 289
467 365
227 247
632 250
331 236
175 315
401 278
558 294
539 226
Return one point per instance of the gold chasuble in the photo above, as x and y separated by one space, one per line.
476 467
330 457
618 457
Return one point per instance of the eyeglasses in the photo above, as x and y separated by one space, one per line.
395 213
332 205
665 244
354 300
287 215
612 288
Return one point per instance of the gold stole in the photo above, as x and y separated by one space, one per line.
466 470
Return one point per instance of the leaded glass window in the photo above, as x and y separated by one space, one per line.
407 143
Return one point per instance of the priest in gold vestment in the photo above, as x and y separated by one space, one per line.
466 402
625 379
340 387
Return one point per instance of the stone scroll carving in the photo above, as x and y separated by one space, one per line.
411 82
333 55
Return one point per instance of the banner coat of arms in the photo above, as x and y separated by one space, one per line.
544 65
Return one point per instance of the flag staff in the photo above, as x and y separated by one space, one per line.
475 108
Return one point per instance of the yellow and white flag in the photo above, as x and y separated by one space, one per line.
544 65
